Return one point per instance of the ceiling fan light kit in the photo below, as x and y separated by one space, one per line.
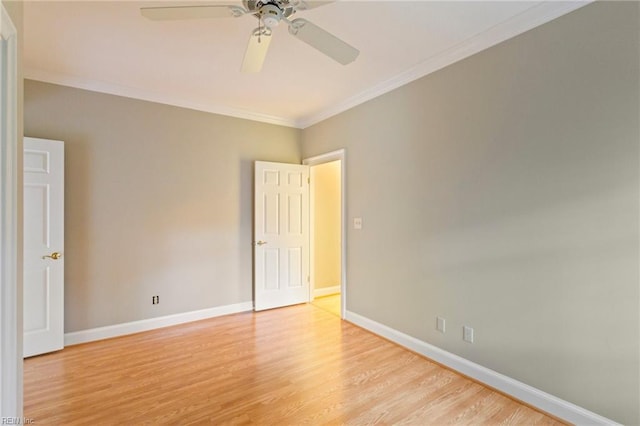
269 14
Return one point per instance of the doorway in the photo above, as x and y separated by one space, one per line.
327 236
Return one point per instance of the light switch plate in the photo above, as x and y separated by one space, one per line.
467 334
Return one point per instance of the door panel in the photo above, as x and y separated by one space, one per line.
271 268
295 267
271 214
43 235
38 292
281 246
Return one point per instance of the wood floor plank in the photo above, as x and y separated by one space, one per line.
293 366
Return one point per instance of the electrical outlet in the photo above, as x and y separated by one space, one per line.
440 324
155 300
467 334
357 223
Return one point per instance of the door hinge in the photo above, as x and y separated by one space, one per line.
309 180
308 279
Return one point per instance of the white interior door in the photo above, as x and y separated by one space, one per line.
43 246
281 235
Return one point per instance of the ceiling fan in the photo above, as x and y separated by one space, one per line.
269 14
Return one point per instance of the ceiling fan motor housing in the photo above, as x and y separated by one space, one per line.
270 15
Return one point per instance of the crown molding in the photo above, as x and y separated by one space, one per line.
537 15
145 95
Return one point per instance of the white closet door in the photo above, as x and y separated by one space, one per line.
43 246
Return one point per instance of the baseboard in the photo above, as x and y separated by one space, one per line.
518 390
326 291
107 332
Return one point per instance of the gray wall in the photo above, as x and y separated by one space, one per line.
502 192
158 201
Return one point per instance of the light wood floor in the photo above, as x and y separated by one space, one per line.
292 366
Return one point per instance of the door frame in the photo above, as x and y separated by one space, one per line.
10 289
339 154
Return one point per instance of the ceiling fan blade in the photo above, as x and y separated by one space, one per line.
312 4
324 41
256 50
191 12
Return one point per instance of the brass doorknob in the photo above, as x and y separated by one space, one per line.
55 255
260 243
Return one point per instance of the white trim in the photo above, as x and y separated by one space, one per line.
518 390
537 15
117 330
326 291
146 95
341 155
312 233
10 308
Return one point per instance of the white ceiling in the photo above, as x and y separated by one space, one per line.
109 47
